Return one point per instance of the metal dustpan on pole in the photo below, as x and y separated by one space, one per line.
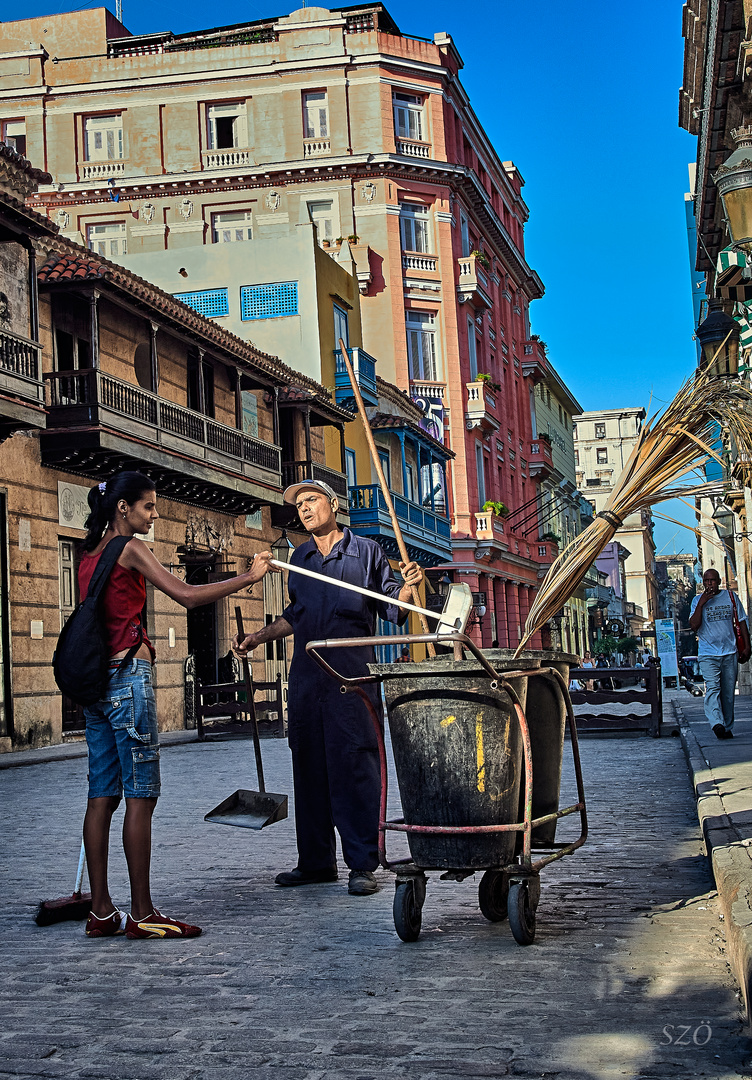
250 809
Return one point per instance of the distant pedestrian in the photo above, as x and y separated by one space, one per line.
712 618
404 656
587 662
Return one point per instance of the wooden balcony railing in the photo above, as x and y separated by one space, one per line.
19 356
83 393
295 471
367 500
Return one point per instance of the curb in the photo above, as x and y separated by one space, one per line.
730 859
17 759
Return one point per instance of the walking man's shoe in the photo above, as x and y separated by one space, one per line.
362 883
719 731
299 877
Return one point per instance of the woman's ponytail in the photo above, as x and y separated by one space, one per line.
103 500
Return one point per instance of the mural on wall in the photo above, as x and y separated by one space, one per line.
207 533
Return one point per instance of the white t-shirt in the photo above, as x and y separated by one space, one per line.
716 633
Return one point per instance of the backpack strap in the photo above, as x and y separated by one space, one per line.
106 564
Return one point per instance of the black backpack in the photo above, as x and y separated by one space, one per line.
81 660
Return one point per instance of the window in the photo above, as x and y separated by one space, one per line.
269 301
386 466
561 416
472 348
577 457
231 227
226 125
408 117
107 239
341 328
601 455
480 474
322 216
414 231
600 431
315 115
464 234
13 133
212 303
103 137
574 431
200 377
421 346
350 467
410 480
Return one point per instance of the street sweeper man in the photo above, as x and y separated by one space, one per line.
335 762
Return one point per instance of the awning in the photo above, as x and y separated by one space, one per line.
732 280
743 315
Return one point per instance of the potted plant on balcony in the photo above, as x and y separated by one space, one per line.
499 509
353 238
487 380
552 538
482 258
545 437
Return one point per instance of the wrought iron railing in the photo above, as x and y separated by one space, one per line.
92 387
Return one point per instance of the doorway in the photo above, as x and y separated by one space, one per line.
202 623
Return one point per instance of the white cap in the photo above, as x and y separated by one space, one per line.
291 493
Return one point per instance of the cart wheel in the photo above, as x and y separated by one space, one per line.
521 911
492 895
407 911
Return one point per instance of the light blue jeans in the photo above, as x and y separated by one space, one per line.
719 673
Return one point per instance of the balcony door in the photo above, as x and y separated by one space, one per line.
341 329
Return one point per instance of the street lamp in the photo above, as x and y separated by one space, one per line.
282 549
734 182
718 335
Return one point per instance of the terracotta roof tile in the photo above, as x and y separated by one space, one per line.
23 164
386 421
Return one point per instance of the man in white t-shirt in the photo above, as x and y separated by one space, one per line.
711 617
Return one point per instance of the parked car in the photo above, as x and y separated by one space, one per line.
690 676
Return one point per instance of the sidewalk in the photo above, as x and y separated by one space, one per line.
722 778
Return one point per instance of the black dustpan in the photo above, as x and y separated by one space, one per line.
250 809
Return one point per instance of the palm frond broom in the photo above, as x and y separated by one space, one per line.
669 448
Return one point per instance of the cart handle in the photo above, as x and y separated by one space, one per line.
387 639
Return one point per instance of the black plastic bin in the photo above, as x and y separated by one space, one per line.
458 755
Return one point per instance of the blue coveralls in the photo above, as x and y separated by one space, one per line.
335 762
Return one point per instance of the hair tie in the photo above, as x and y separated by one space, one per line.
613 519
102 487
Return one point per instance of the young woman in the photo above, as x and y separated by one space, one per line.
121 728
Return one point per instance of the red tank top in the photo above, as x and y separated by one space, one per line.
123 600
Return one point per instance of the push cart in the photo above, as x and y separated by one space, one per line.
479 779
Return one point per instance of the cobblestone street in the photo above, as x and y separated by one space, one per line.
627 977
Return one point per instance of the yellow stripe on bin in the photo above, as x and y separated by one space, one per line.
479 754
447 721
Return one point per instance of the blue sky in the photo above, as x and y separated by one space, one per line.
584 99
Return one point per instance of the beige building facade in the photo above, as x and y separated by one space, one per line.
603 441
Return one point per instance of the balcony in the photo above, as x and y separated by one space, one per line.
231 158
20 384
101 170
413 148
480 406
427 264
97 424
534 362
426 533
316 147
364 367
540 459
295 471
484 525
472 285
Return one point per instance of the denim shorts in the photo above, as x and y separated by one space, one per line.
121 734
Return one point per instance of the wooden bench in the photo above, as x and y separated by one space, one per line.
600 719
224 706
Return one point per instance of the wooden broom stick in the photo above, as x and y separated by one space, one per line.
382 481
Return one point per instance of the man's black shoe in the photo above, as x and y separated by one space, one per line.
299 877
362 883
727 734
719 731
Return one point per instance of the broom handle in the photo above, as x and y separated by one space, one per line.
80 871
382 480
251 704
356 588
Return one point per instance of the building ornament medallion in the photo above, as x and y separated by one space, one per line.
147 212
272 201
186 208
62 217
368 191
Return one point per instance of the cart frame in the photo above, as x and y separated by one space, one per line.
521 878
